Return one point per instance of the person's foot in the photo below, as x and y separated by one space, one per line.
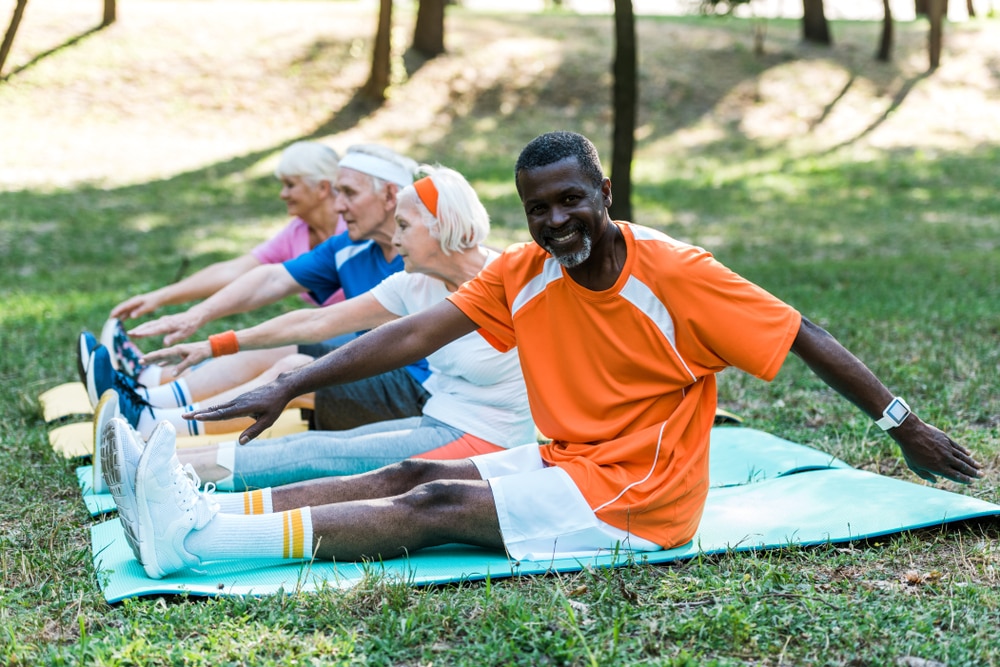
170 505
85 344
125 355
100 377
120 454
106 410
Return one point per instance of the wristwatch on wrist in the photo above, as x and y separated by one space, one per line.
894 414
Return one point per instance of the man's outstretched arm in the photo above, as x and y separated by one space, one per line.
385 348
926 449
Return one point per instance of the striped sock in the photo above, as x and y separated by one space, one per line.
281 535
250 502
174 394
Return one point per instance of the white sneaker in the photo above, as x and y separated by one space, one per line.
106 410
170 505
120 454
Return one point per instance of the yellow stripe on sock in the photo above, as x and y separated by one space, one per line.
253 502
294 534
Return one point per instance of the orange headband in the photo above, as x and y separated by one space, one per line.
428 194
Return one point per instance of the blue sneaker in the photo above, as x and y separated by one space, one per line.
125 355
85 344
101 377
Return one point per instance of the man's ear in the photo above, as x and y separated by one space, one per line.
606 192
391 194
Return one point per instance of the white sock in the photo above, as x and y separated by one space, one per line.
185 427
150 376
174 394
249 502
282 535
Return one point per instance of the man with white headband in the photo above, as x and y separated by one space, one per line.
368 181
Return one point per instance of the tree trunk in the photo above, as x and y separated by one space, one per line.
970 8
922 7
885 44
8 38
428 34
935 13
815 28
625 105
110 12
378 81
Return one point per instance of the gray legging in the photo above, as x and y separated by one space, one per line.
313 454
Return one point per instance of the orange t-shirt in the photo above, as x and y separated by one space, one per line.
623 380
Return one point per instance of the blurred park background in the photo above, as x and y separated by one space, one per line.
861 190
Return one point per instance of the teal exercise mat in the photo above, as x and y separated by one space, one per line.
737 456
816 506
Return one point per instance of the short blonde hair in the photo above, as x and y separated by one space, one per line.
311 161
461 221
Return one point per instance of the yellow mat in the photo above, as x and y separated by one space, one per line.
77 440
65 400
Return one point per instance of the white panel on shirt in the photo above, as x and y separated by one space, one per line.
473 387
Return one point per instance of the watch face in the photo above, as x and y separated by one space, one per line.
897 411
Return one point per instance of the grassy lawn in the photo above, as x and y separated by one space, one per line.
862 193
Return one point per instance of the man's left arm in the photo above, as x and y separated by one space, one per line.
927 450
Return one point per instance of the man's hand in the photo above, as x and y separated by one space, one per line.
173 328
136 306
263 404
184 355
929 452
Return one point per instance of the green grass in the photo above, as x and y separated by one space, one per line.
818 174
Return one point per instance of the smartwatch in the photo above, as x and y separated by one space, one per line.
894 414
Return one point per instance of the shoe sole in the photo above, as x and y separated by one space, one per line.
108 340
112 463
106 410
83 358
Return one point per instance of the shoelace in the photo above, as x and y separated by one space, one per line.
127 394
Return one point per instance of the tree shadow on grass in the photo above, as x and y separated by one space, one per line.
51 52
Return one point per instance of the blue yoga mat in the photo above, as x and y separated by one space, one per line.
737 456
776 494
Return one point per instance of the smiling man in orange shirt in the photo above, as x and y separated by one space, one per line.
620 330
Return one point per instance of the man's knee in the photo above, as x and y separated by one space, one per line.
411 473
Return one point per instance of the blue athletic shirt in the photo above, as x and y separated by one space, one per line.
340 263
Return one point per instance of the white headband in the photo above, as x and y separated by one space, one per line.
377 167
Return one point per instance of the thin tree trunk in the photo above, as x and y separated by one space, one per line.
935 12
428 33
110 12
8 38
378 81
815 28
625 105
885 44
970 8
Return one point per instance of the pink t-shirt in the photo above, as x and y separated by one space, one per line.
289 243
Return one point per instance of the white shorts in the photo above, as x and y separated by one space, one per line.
542 513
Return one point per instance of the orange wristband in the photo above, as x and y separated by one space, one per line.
224 343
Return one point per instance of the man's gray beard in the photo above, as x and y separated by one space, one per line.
577 258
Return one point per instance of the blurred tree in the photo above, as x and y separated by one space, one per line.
378 80
110 12
8 38
428 33
625 105
815 28
922 7
885 43
935 14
